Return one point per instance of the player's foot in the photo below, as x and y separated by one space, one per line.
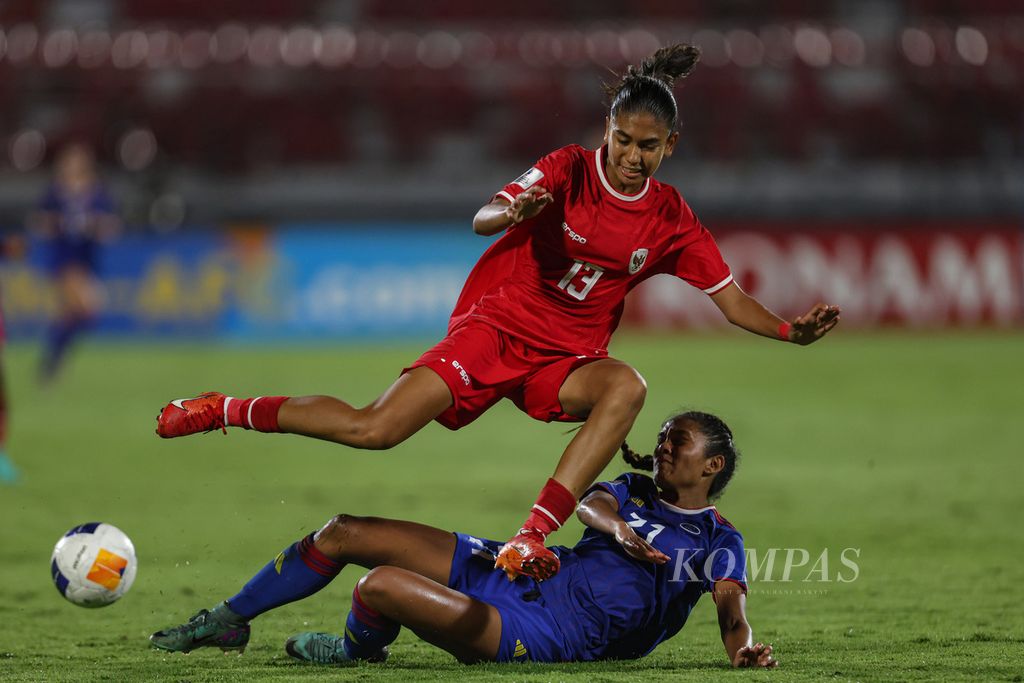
324 648
525 555
205 629
185 416
8 472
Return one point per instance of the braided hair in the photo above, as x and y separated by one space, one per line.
717 441
648 87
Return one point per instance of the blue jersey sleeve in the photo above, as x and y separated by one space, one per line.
624 487
727 560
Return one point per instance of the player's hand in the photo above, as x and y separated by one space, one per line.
528 204
760 655
813 325
638 548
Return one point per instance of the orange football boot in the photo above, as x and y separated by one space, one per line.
185 416
525 555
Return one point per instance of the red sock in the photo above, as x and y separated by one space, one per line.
258 413
554 505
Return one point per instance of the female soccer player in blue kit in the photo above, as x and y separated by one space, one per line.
652 547
533 322
75 216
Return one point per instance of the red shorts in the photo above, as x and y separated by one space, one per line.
482 365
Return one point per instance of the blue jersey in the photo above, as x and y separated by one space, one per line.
76 217
603 604
641 603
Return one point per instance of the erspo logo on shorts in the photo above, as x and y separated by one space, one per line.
107 569
530 178
462 372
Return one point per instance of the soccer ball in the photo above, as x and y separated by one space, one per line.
94 564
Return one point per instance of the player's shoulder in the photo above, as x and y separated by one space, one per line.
722 526
569 155
638 484
671 201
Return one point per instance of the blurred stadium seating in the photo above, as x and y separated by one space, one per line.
800 108
869 153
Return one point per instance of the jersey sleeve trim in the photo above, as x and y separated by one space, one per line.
608 490
739 583
721 285
505 195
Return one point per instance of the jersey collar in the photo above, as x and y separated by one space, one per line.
608 186
686 511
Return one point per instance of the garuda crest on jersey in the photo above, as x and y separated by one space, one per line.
637 261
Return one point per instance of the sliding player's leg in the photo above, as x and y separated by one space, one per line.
306 567
81 299
391 597
609 394
416 398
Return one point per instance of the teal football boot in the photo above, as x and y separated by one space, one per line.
217 628
324 648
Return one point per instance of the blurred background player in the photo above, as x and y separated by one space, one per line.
582 228
651 548
75 216
8 472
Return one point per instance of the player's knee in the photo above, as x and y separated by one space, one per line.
338 535
374 432
380 439
629 388
376 588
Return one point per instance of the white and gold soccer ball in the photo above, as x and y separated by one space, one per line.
93 564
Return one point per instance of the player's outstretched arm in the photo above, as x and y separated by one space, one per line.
600 511
499 214
736 634
745 311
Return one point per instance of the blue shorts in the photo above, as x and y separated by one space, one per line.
534 628
65 253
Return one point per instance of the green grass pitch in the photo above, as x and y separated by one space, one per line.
906 447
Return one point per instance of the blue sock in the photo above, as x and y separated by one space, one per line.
297 572
367 631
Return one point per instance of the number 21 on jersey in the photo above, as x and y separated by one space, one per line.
579 287
638 522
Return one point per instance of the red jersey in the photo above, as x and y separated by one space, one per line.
559 280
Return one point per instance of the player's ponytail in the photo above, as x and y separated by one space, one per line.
648 87
635 460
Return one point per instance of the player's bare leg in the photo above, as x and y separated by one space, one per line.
416 398
306 567
610 394
392 597
81 299
408 587
373 541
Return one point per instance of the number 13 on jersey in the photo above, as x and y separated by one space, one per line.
580 279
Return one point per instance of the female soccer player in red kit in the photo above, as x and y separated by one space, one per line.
582 228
